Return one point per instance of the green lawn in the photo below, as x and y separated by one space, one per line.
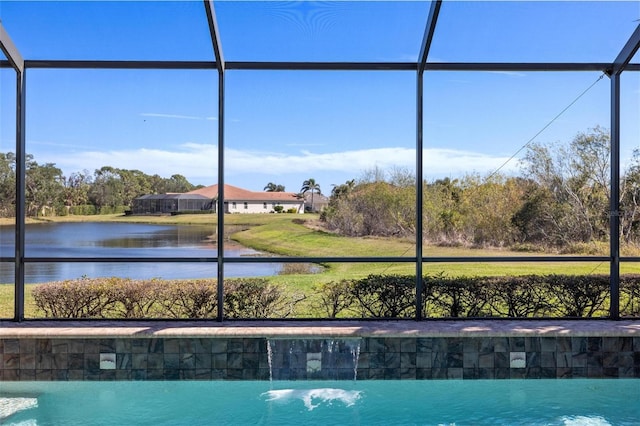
299 236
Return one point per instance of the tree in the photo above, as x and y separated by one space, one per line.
178 183
272 187
488 205
630 200
574 181
373 207
43 187
134 184
107 189
76 188
310 185
7 184
442 213
342 190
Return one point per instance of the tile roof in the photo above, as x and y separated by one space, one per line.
233 193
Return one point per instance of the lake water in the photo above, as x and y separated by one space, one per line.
123 240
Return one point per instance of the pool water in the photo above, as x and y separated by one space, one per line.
307 403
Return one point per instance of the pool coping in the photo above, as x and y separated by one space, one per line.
389 350
326 329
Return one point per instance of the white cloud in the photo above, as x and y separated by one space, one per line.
305 144
178 116
509 73
198 162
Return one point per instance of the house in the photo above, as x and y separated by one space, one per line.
171 204
236 200
315 202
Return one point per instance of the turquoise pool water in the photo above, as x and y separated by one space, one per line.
496 402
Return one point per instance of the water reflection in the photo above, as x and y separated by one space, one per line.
79 240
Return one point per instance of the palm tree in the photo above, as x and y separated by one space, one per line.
272 187
310 185
343 189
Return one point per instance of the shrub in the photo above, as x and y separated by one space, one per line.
83 298
83 210
335 297
577 295
591 248
113 209
630 295
376 296
385 296
459 296
257 298
296 269
133 299
518 297
190 299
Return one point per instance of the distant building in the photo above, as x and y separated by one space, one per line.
171 204
236 200
317 203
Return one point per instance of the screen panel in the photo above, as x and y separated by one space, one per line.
134 143
532 31
108 30
338 146
350 31
511 159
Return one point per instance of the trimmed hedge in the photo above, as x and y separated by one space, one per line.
127 298
529 296
376 296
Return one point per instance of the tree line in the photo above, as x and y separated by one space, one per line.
107 190
560 200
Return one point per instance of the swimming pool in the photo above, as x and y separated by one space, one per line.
448 402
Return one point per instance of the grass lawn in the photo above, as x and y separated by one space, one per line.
297 236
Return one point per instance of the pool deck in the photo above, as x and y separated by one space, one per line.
310 329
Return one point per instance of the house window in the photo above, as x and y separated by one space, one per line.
233 205
246 205
264 206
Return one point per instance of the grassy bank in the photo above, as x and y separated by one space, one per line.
186 219
299 236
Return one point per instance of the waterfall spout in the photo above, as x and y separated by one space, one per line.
313 359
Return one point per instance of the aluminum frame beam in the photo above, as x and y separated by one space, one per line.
220 65
10 50
321 66
220 200
18 64
125 65
215 34
419 186
619 65
324 259
614 200
325 66
20 227
430 29
627 52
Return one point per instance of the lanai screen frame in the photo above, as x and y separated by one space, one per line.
612 70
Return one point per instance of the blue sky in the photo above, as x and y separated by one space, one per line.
284 126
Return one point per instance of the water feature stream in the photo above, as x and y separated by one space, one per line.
313 359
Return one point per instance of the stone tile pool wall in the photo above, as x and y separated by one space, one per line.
402 350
